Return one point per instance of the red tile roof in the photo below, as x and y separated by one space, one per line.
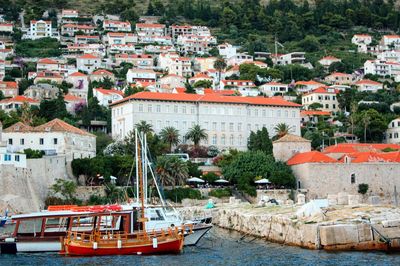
314 112
357 147
77 74
368 82
72 98
310 157
102 72
88 56
310 82
47 61
212 98
57 125
9 84
19 98
373 157
108 92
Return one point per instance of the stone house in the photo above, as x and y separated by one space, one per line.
289 145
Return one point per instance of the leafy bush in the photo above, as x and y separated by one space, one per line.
52 200
363 188
33 154
44 47
221 192
210 177
178 194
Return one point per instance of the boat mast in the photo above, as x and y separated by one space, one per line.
139 172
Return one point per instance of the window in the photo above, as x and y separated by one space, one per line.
183 109
353 178
158 108
192 110
223 139
55 141
279 113
248 127
240 140
239 126
255 112
248 112
175 108
223 126
150 108
264 113
22 141
327 106
214 140
10 141
293 113
7 157
231 140
17 158
231 127
140 107
214 126
167 109
41 141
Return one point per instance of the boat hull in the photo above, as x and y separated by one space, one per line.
171 247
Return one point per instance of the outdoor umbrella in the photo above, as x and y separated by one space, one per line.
221 181
195 180
262 181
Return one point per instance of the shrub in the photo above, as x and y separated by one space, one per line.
52 200
178 194
363 188
33 154
221 192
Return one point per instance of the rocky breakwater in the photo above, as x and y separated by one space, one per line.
362 227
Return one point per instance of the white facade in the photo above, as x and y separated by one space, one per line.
226 50
54 137
273 88
114 25
291 58
239 59
107 97
41 29
368 85
7 157
228 120
88 63
324 96
393 132
138 74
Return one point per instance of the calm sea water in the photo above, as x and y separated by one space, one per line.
219 247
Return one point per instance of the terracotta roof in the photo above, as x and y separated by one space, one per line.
201 76
391 36
9 84
102 72
373 157
77 74
322 89
72 98
149 25
108 92
48 75
310 82
58 125
213 97
362 35
18 127
310 157
314 112
47 61
88 56
133 56
368 82
19 98
358 147
291 138
338 74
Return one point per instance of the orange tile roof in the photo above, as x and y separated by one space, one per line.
111 91
77 74
339 74
357 147
88 56
48 75
18 127
102 72
201 76
149 25
9 84
368 82
19 98
314 112
212 98
373 157
58 125
310 157
72 98
392 36
47 61
322 89
310 82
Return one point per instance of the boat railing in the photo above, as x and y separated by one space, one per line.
142 236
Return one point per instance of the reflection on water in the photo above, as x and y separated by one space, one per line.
219 247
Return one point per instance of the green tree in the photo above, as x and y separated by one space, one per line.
219 65
282 175
202 84
370 125
260 141
170 135
102 141
315 106
144 127
171 170
66 188
196 134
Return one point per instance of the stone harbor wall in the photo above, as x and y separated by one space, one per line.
25 189
338 227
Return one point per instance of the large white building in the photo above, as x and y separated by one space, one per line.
41 29
393 132
228 120
54 138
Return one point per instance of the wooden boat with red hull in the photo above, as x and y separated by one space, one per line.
124 244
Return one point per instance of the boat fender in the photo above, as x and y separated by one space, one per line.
9 240
155 243
94 245
139 253
119 244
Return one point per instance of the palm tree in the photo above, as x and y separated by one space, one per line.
144 127
281 130
366 121
170 135
171 170
219 65
196 134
